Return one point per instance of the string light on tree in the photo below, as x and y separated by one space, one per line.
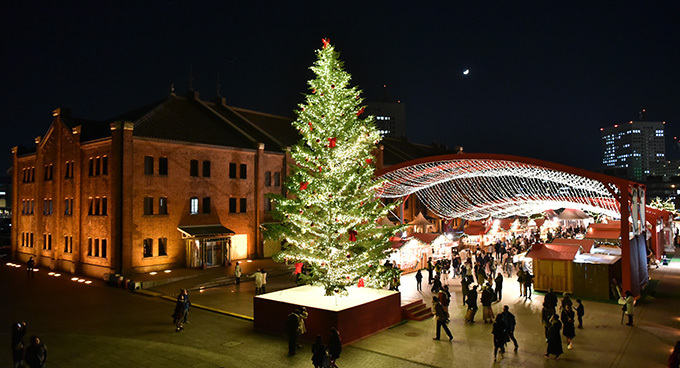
330 213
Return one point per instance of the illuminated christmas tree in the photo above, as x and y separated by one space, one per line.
330 213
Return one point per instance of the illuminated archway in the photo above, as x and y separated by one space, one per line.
474 186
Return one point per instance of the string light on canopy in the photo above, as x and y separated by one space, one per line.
473 189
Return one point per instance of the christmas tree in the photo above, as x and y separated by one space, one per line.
329 215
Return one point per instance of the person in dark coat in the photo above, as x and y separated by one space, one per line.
565 301
580 311
569 331
465 287
436 285
18 333
510 323
500 336
180 310
334 346
487 299
471 302
36 353
554 338
499 286
318 352
442 318
550 298
291 326
430 269
419 280
528 281
29 267
546 314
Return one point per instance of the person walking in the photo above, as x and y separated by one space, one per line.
259 279
554 339
319 352
499 286
430 269
471 301
334 346
565 301
29 267
546 315
568 329
442 318
444 297
180 310
550 298
436 285
237 273
510 323
500 336
36 353
292 329
465 287
18 333
627 301
419 280
580 311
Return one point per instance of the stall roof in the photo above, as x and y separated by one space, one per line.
475 229
553 252
596 258
420 221
603 233
616 251
396 244
426 238
506 224
585 243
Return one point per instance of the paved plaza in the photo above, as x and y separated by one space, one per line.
94 325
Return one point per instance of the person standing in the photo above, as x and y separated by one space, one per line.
499 286
565 301
178 315
627 301
419 280
36 353
520 281
487 299
334 346
187 304
546 315
442 318
302 328
550 298
292 329
510 323
554 339
471 301
18 333
568 329
259 279
500 336
264 281
430 269
580 311
318 352
528 280
29 267
465 287
237 273
444 297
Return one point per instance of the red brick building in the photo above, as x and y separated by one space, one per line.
178 183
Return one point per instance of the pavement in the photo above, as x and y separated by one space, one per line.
93 325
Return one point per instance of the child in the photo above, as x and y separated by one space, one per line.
580 311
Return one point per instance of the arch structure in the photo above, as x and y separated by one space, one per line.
475 186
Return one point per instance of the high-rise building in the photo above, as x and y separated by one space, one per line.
390 115
634 150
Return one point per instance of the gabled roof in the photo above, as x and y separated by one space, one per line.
426 238
553 252
585 243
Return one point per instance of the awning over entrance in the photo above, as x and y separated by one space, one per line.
204 230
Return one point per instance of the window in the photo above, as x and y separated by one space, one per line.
193 207
232 205
69 169
90 170
148 165
162 166
105 210
267 204
244 171
267 178
232 170
193 168
68 206
90 210
89 246
242 205
148 205
104 248
277 179
206 205
47 238
96 247
206 169
68 244
32 206
105 165
48 207
148 247
162 246
49 170
97 205
97 166
31 243
163 205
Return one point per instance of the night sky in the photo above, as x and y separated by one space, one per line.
544 75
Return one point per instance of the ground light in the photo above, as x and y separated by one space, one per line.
167 271
152 273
